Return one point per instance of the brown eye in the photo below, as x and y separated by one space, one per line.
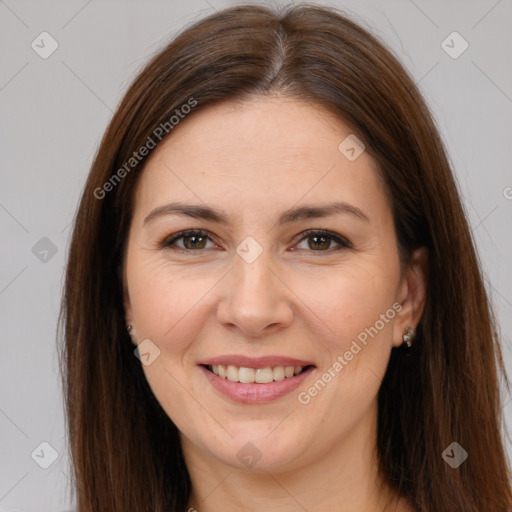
192 240
320 241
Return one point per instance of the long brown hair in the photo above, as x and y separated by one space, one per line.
125 450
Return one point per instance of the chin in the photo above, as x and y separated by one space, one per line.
260 452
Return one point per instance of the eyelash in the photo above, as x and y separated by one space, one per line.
169 241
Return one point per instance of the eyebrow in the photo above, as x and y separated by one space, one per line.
287 217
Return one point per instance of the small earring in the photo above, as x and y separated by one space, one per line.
408 337
132 335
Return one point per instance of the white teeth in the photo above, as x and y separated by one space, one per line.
258 375
264 375
232 373
246 375
288 371
278 373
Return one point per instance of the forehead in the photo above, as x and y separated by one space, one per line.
266 126
240 153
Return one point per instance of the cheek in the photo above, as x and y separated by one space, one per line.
350 302
356 308
357 316
166 310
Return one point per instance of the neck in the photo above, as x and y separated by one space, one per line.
344 479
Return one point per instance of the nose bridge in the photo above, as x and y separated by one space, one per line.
254 298
253 279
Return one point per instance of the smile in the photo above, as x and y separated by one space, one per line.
250 385
254 375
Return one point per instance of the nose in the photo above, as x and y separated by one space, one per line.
255 299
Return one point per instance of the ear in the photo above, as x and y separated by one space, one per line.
412 294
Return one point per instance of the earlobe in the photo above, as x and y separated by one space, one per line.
412 295
128 313
130 328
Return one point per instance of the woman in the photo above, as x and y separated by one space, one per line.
272 221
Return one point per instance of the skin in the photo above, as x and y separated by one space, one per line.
300 298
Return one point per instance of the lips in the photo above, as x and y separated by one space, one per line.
255 380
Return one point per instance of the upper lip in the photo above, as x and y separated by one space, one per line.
255 362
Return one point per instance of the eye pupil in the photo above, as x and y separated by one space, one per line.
194 245
324 245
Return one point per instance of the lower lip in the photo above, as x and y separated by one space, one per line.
255 393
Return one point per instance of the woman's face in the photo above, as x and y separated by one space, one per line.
293 266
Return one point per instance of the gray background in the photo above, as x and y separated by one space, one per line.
52 115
